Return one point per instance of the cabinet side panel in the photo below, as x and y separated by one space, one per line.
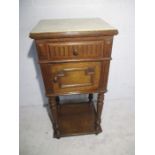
108 40
46 79
104 75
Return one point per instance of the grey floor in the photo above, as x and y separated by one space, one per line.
117 137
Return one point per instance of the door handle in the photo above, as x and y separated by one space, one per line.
90 71
56 77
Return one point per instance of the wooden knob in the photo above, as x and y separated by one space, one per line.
75 52
55 79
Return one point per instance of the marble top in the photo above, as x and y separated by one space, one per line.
71 25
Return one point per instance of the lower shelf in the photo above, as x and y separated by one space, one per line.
77 119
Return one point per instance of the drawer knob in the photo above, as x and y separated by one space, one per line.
75 52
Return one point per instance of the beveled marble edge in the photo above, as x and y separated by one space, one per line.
71 25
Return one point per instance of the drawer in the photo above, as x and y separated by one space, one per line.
75 50
75 77
48 50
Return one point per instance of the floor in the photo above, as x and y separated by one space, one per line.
117 137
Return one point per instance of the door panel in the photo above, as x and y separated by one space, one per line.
68 77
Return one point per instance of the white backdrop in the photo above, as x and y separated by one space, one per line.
118 13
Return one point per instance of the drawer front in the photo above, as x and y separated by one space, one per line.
71 50
75 50
51 50
75 77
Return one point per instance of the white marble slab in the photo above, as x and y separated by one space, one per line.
70 25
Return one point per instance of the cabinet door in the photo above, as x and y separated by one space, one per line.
75 77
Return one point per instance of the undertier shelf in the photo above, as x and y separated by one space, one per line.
77 119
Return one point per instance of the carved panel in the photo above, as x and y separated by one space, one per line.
74 50
108 47
42 51
67 73
66 77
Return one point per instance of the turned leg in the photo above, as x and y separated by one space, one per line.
100 100
53 107
57 100
90 97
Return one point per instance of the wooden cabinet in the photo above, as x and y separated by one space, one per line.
74 57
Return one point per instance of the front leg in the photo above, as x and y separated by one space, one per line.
57 100
100 102
90 97
53 107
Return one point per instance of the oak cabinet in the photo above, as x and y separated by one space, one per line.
74 57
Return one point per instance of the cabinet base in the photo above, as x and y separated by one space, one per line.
76 119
